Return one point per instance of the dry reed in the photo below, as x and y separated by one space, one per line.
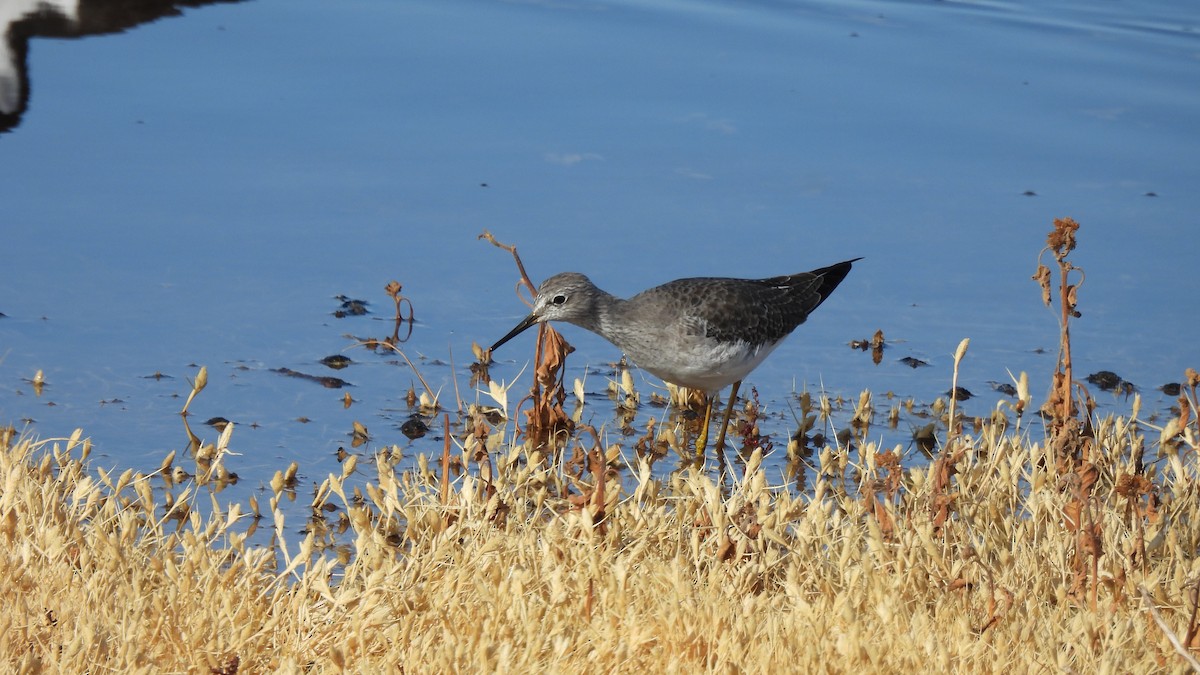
675 577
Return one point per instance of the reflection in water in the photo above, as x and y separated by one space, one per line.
25 19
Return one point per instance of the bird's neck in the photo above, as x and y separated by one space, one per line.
605 320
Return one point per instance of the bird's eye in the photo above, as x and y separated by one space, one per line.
558 300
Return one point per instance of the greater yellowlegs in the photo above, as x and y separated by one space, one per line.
702 333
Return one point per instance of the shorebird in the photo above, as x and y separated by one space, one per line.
702 333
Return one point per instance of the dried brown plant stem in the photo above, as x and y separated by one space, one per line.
547 418
1180 647
393 289
595 500
1190 637
445 483
1065 428
600 474
1070 433
511 248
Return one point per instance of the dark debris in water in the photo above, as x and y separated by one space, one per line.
157 376
414 428
336 361
1110 381
1105 379
913 362
323 380
350 307
926 437
1004 388
960 393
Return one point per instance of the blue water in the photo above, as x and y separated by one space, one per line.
195 190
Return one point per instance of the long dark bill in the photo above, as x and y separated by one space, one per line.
525 323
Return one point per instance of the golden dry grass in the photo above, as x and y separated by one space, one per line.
675 577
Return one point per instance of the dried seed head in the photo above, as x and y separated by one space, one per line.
1042 277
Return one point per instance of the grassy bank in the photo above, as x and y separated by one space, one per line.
996 565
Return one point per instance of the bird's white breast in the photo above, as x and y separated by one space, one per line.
706 364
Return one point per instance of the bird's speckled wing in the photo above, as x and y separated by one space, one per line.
759 311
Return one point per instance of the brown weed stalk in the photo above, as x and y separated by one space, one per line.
592 500
547 424
1061 413
445 478
393 290
1069 431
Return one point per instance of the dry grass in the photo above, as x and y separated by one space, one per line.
1074 552
677 577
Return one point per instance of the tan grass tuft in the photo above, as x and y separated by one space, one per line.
657 574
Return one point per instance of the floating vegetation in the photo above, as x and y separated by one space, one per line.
1107 380
393 289
336 361
350 307
414 427
399 322
876 344
1004 388
359 435
327 381
962 393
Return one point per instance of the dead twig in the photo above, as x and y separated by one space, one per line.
511 248
1180 649
547 419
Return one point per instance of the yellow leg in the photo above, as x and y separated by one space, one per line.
702 438
720 446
